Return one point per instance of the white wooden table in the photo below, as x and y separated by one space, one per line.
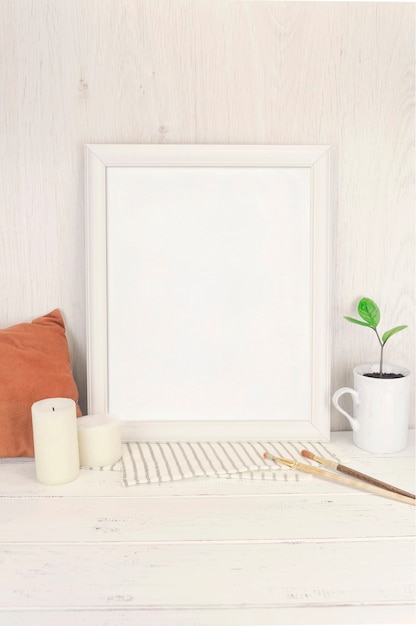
207 551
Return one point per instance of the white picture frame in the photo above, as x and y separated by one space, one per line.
277 198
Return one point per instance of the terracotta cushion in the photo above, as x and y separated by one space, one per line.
34 364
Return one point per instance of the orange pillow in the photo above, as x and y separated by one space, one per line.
34 364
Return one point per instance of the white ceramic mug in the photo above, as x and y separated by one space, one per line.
381 408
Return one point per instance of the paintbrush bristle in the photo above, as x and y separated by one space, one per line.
307 454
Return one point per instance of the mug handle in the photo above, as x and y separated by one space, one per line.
355 396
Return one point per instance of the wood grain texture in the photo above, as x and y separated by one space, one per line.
176 520
258 616
207 552
219 576
213 71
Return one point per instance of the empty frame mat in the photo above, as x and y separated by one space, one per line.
210 300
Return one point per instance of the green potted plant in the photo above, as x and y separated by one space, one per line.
370 314
380 394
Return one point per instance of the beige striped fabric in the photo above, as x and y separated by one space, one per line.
145 463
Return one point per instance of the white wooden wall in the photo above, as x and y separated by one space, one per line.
209 71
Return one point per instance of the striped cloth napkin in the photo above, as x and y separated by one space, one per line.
145 463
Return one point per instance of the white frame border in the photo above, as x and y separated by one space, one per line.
99 157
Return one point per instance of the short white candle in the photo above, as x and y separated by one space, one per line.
99 440
54 422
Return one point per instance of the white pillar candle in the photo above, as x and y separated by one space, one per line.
99 440
54 422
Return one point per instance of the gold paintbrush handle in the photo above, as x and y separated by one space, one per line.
356 484
355 474
340 478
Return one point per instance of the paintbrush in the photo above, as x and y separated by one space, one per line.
338 478
351 472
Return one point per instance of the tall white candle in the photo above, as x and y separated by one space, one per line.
54 422
99 440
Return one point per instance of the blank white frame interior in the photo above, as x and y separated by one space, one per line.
207 290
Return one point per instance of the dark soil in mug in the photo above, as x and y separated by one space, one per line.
383 376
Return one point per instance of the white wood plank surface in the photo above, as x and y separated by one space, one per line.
202 575
259 616
207 551
398 614
399 470
21 483
183 520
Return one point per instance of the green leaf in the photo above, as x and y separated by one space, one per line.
392 332
352 319
369 312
